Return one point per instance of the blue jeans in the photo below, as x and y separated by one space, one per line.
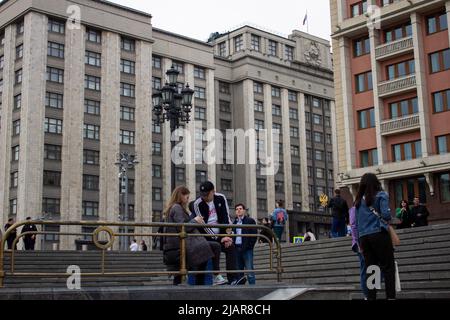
338 228
245 262
363 275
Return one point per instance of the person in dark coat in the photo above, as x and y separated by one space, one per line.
419 214
404 214
12 235
244 245
339 209
143 246
30 239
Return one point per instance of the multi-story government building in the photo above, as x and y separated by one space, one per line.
74 94
392 80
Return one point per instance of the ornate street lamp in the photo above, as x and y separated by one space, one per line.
171 105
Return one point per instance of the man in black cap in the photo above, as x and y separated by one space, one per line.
213 207
12 236
30 239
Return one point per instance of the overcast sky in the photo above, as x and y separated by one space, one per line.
199 18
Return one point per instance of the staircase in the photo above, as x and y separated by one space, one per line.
325 269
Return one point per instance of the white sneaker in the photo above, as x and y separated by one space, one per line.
219 280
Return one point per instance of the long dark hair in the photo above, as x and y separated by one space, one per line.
369 186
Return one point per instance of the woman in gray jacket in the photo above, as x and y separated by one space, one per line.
198 249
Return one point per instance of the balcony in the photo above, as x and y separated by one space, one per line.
408 123
396 86
393 49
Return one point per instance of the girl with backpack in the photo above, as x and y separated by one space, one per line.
279 218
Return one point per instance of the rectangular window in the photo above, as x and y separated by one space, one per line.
14 179
51 206
93 59
18 101
257 87
293 114
273 48
227 185
403 108
259 124
156 148
328 138
16 128
91 157
279 186
127 90
224 87
20 27
294 132
443 144
127 44
52 152
319 155
255 42
441 101
308 117
238 43
156 128
292 96
126 113
199 72
92 107
440 61
277 126
276 92
222 49
91 132
259 106
94 36
90 182
369 158
55 50
156 62
358 8
200 93
361 47
127 66
261 185
156 83
53 126
364 82
2 62
55 75
397 33
54 100
200 113
92 83
407 151
444 186
320 173
295 151
276 110
296 170
52 178
180 174
19 52
224 106
366 118
13 207
289 53
156 171
308 135
317 119
126 137
318 137
15 153
56 26
18 77
90 209
201 176
437 23
179 66
400 70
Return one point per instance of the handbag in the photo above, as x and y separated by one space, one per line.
394 236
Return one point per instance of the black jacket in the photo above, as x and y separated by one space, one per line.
420 216
247 242
28 228
201 208
339 208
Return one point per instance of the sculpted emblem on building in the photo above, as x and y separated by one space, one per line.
313 54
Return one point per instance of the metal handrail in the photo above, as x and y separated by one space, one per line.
103 226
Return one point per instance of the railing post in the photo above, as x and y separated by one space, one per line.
183 269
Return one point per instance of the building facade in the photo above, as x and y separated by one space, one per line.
392 80
74 94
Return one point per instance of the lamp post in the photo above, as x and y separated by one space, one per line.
125 162
171 105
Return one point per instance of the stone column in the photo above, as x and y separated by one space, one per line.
347 104
72 148
143 182
211 122
334 141
421 80
378 103
303 153
190 138
270 179
286 123
250 171
31 162
110 130
166 146
6 122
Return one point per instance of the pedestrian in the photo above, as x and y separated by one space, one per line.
13 234
143 246
419 214
244 245
213 208
357 249
309 235
198 249
404 214
279 219
267 223
339 210
134 246
29 240
372 219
